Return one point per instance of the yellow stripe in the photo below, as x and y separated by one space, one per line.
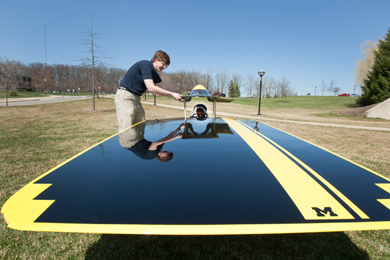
305 192
386 187
21 209
320 178
203 229
348 160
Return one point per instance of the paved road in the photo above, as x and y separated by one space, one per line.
41 100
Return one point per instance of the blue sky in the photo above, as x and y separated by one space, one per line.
304 41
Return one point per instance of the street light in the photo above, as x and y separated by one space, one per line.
315 91
45 88
261 74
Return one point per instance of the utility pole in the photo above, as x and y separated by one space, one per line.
44 25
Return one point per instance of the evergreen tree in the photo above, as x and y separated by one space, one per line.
376 87
234 89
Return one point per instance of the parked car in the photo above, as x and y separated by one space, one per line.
217 94
354 95
344 95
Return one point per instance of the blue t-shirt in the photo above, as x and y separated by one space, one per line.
141 149
135 76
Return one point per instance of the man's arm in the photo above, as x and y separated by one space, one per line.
172 136
162 85
162 89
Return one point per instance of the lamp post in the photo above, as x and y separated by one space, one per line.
45 88
315 91
261 74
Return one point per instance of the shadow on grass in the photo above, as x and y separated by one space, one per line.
352 105
292 246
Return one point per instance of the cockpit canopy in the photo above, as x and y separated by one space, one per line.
199 91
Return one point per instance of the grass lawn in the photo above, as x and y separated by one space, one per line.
303 102
36 138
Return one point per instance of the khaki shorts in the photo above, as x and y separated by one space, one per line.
129 110
132 136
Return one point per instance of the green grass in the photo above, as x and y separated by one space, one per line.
36 138
22 94
304 102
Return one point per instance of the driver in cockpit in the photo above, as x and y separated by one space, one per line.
199 112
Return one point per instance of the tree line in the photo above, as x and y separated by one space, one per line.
15 75
62 78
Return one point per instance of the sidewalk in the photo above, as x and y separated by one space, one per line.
39 100
272 119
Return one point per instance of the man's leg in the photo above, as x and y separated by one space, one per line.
126 108
139 113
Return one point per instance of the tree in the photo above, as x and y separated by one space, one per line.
251 84
237 79
10 75
95 58
268 85
284 88
376 87
364 65
336 90
221 78
332 85
234 89
39 72
323 87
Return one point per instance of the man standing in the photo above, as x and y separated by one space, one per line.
140 77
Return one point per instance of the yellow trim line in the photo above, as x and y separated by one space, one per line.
305 192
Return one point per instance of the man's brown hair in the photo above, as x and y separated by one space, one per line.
161 56
166 158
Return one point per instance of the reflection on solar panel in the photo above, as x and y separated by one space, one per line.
224 177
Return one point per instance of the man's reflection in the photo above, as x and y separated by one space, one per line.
133 140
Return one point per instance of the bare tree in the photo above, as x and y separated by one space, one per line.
222 77
284 88
96 56
250 84
11 75
269 84
364 65
180 76
206 79
332 84
323 87
39 72
336 90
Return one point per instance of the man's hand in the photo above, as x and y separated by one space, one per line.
177 97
